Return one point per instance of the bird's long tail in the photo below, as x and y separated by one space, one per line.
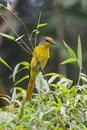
30 89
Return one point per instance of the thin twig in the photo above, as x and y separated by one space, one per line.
37 27
26 47
18 19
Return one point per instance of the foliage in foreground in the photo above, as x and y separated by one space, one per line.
65 107
59 106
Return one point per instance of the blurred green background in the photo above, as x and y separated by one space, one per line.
66 20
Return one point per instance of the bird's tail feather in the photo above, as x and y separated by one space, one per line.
30 89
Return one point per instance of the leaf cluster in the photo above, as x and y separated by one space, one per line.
62 107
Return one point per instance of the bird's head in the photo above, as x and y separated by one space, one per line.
48 41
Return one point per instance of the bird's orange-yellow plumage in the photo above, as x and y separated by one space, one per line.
40 56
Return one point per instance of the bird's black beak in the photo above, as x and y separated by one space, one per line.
53 43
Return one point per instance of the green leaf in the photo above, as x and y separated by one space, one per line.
52 79
41 25
83 77
54 74
15 71
5 63
49 111
70 60
14 93
65 82
24 63
72 53
37 32
7 36
22 79
79 53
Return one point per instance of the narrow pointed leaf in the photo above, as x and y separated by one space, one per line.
5 63
54 74
24 63
70 50
52 79
83 77
79 53
7 36
22 79
15 71
70 60
41 25
37 32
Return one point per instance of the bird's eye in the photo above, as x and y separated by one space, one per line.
48 41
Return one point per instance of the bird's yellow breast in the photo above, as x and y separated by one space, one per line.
40 57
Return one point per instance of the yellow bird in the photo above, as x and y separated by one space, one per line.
39 59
